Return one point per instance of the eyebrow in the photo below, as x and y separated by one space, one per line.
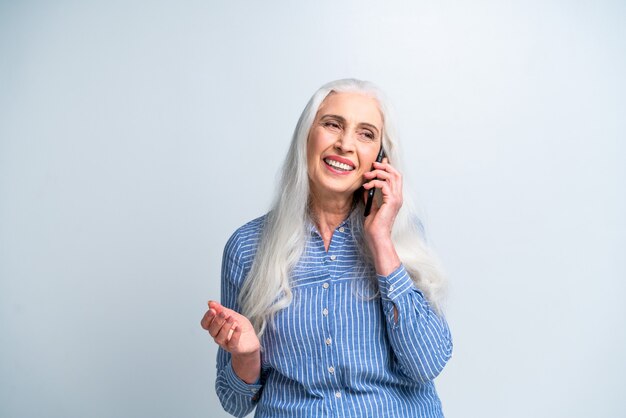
343 120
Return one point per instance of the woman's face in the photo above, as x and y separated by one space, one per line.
343 143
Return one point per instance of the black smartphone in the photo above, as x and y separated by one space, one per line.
370 193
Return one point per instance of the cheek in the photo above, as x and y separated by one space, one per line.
317 144
312 153
367 158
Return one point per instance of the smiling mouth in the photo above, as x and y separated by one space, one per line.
337 165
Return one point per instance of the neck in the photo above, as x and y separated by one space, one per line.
329 212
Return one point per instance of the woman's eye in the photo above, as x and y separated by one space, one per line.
331 125
369 135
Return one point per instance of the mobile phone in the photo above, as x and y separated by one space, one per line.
370 193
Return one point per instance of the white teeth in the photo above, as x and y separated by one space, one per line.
337 164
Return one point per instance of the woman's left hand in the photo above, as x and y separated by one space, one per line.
388 180
379 224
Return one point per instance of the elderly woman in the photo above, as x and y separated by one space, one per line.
326 311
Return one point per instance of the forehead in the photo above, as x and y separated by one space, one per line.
354 107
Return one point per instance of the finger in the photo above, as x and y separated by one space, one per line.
216 324
387 167
234 339
222 336
233 343
383 163
395 178
207 318
383 175
215 305
379 184
385 190
221 308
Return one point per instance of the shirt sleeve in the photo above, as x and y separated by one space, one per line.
420 338
237 397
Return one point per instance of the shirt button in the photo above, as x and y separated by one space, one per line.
328 341
333 257
325 312
391 288
337 394
331 370
342 229
325 285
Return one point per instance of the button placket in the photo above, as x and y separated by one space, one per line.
328 353
331 353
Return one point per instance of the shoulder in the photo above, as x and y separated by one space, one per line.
242 244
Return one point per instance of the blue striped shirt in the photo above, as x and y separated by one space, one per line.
337 351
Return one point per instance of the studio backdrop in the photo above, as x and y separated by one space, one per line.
135 137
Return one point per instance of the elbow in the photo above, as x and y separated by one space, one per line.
439 364
233 408
430 365
428 374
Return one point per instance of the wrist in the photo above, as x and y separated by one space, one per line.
385 257
253 355
380 243
247 366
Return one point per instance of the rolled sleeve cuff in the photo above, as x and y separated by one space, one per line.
238 385
395 285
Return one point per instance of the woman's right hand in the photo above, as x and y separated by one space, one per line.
231 330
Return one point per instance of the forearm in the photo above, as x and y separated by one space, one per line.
236 396
420 337
237 383
386 260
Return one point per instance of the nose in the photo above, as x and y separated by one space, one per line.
345 142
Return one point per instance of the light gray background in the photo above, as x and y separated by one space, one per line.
136 136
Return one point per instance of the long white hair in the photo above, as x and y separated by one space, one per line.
267 288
